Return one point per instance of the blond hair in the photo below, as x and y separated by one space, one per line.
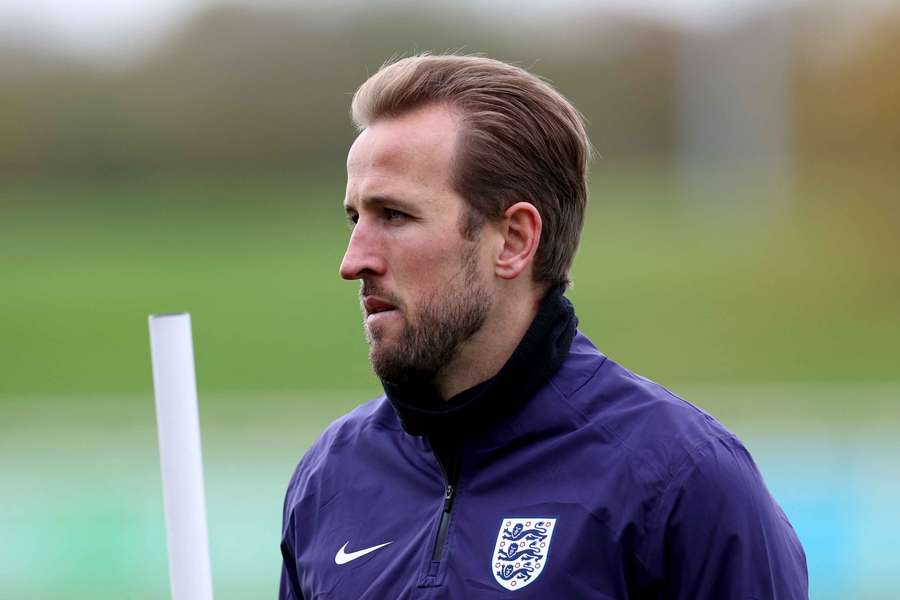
520 140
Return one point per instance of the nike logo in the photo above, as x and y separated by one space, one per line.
342 558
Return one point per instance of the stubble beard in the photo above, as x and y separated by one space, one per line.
432 337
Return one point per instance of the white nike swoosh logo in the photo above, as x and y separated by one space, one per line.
342 558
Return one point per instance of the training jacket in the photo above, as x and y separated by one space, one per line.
566 476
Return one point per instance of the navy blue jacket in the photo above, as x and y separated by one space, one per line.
600 484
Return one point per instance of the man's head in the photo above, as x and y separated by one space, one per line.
519 141
466 192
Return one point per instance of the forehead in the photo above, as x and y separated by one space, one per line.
412 151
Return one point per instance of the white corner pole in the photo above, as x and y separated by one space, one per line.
175 385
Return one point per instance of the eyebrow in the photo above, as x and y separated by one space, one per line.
380 200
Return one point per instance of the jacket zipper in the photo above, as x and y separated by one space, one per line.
441 540
448 461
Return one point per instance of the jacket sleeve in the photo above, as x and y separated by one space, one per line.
724 535
289 589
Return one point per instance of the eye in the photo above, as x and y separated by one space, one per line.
352 219
394 215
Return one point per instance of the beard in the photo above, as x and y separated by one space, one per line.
431 337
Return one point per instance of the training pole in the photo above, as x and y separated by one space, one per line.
175 386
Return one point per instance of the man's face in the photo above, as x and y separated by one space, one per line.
424 288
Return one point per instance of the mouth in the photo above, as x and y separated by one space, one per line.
375 305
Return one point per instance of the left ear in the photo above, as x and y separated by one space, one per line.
521 236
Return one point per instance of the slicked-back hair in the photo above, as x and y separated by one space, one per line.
519 140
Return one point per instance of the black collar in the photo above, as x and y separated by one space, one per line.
537 357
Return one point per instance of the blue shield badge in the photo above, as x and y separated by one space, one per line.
521 552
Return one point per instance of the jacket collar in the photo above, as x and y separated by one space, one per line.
537 357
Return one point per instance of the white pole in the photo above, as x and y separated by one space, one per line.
177 420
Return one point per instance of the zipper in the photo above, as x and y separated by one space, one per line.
448 460
441 540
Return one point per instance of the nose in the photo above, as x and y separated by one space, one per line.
363 256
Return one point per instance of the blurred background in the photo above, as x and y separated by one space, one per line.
741 248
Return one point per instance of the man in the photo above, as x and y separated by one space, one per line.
508 454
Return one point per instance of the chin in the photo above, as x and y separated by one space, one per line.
380 336
383 361
383 325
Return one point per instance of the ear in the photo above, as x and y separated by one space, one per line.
521 230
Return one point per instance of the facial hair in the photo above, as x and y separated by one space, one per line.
433 335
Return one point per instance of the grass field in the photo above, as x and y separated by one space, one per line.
783 320
677 293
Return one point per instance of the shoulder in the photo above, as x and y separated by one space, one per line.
659 440
343 435
648 422
697 482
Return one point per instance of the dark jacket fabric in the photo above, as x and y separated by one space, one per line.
565 476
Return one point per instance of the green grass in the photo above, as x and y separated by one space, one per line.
677 294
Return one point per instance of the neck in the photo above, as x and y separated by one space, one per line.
485 353
494 393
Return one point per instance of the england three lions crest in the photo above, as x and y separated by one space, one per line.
521 552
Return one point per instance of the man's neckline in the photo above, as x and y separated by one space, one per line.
537 357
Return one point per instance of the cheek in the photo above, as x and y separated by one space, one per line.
426 264
427 259
425 273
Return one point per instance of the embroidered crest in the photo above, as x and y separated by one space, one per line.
521 550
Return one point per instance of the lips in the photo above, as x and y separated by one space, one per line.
375 305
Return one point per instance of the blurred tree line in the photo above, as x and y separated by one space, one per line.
269 89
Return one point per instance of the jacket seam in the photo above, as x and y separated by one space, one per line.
683 470
619 440
587 380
